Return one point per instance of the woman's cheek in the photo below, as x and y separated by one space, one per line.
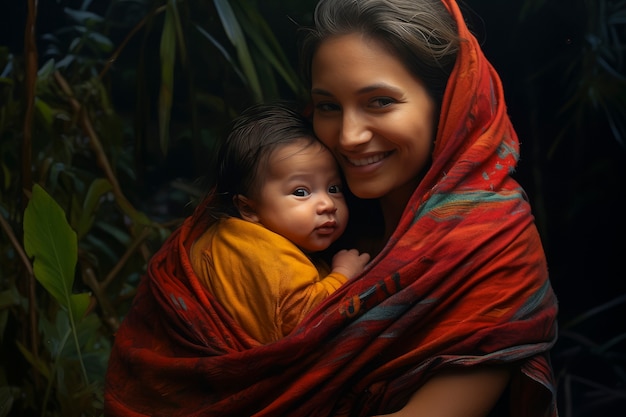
324 131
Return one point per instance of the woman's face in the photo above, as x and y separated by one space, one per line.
375 116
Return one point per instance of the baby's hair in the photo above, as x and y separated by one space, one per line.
243 157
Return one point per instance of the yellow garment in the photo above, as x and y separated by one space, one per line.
262 279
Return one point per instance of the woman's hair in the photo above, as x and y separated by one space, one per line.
421 33
243 157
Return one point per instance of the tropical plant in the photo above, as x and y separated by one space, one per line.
76 172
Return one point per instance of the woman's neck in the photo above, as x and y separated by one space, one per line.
393 205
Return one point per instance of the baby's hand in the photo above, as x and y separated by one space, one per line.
350 262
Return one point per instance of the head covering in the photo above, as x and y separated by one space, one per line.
462 282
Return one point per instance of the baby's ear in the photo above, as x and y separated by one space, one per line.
246 208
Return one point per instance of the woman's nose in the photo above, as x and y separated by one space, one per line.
354 131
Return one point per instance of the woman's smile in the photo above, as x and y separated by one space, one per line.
367 160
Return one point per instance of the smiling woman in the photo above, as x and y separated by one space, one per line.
438 161
455 315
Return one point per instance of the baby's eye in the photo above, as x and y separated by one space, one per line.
335 189
300 192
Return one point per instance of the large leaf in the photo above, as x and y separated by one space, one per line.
263 38
52 243
223 51
237 38
168 57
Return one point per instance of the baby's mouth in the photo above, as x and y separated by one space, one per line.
327 227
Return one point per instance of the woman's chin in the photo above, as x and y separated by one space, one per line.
366 192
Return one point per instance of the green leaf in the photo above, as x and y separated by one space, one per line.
262 36
105 44
45 111
82 16
168 56
46 69
38 363
222 50
9 298
237 38
7 396
97 189
52 244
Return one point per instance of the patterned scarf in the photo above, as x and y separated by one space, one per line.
462 282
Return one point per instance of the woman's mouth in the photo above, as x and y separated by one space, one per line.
372 159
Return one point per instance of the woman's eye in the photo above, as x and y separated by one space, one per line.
381 102
326 106
300 192
334 189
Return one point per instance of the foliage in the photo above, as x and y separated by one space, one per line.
574 96
90 221
51 243
583 354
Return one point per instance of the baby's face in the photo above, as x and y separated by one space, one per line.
302 197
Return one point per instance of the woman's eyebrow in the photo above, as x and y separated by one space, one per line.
364 90
320 92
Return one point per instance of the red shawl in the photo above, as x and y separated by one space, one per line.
463 281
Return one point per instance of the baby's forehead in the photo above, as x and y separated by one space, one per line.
304 147
300 158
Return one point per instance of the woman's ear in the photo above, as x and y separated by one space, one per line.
245 207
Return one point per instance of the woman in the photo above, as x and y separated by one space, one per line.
437 159
456 307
